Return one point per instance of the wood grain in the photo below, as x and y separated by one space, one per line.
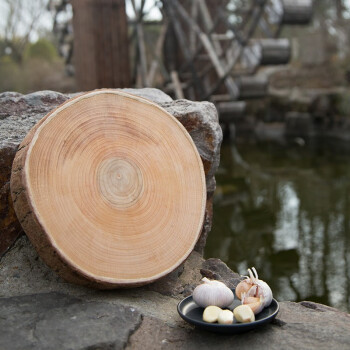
113 190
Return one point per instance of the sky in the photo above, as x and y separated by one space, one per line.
45 20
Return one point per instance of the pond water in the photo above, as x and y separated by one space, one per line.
286 211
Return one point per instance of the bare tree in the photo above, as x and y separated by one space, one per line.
22 19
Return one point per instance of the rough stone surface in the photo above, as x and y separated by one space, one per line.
155 95
297 327
201 121
37 306
19 113
23 272
57 321
39 310
288 113
217 270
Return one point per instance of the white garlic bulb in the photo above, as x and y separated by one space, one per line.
225 317
253 287
212 292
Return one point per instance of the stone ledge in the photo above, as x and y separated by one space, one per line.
58 321
29 286
38 308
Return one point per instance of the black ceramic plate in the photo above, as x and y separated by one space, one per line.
192 313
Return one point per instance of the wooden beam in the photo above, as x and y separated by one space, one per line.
101 46
181 38
274 51
297 12
177 85
217 63
257 12
252 87
230 111
141 42
193 37
157 61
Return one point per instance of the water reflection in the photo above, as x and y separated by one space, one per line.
286 212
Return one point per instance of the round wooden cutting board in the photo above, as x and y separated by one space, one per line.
110 189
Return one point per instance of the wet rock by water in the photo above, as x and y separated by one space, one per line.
297 112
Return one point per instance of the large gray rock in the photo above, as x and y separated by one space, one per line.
23 272
40 310
57 321
298 326
201 121
19 113
155 95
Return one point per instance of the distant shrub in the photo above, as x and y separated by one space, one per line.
42 49
40 69
9 74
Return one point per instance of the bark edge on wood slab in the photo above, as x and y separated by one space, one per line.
162 255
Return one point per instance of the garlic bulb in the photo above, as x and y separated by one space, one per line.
225 317
244 314
211 314
253 287
212 292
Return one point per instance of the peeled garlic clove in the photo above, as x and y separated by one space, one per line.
243 287
244 314
212 293
256 304
246 299
225 317
211 314
256 307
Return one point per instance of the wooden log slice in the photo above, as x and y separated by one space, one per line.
110 189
